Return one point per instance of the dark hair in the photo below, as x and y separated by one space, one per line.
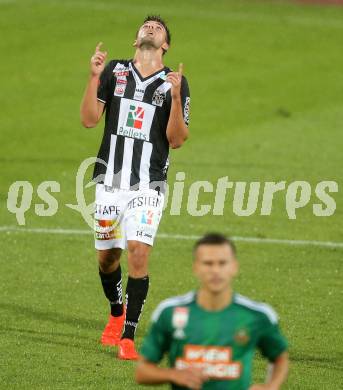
214 239
158 19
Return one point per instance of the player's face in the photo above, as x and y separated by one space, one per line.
152 34
215 266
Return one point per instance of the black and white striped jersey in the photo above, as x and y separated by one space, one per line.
134 149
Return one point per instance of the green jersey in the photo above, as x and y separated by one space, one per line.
222 342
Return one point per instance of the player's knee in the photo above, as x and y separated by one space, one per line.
138 257
109 259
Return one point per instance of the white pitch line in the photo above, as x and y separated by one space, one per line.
257 240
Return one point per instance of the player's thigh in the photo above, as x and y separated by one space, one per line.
108 219
143 216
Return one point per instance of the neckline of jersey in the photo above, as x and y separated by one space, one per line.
213 312
148 77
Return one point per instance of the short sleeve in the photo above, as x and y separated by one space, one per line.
272 342
156 341
185 99
104 88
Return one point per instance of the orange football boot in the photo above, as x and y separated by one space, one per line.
127 350
113 330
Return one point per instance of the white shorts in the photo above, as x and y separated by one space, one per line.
122 215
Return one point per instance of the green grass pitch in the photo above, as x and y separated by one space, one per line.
266 83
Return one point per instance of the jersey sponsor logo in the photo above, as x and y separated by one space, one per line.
147 217
135 119
122 72
179 321
106 210
215 361
106 229
119 91
186 110
139 201
120 87
148 220
180 317
139 94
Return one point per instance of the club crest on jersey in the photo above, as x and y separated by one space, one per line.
179 321
158 98
241 337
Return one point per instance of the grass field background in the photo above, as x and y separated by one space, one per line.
266 83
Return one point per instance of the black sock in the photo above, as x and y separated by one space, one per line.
111 283
136 292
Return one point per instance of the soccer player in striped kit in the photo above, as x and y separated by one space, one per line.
146 109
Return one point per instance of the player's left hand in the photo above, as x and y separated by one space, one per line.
175 78
263 387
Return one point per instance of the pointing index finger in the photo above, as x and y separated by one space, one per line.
181 68
97 48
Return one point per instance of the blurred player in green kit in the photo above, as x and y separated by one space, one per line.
210 335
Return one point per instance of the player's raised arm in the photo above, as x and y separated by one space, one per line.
91 108
177 130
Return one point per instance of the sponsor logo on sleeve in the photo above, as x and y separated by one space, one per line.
186 110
